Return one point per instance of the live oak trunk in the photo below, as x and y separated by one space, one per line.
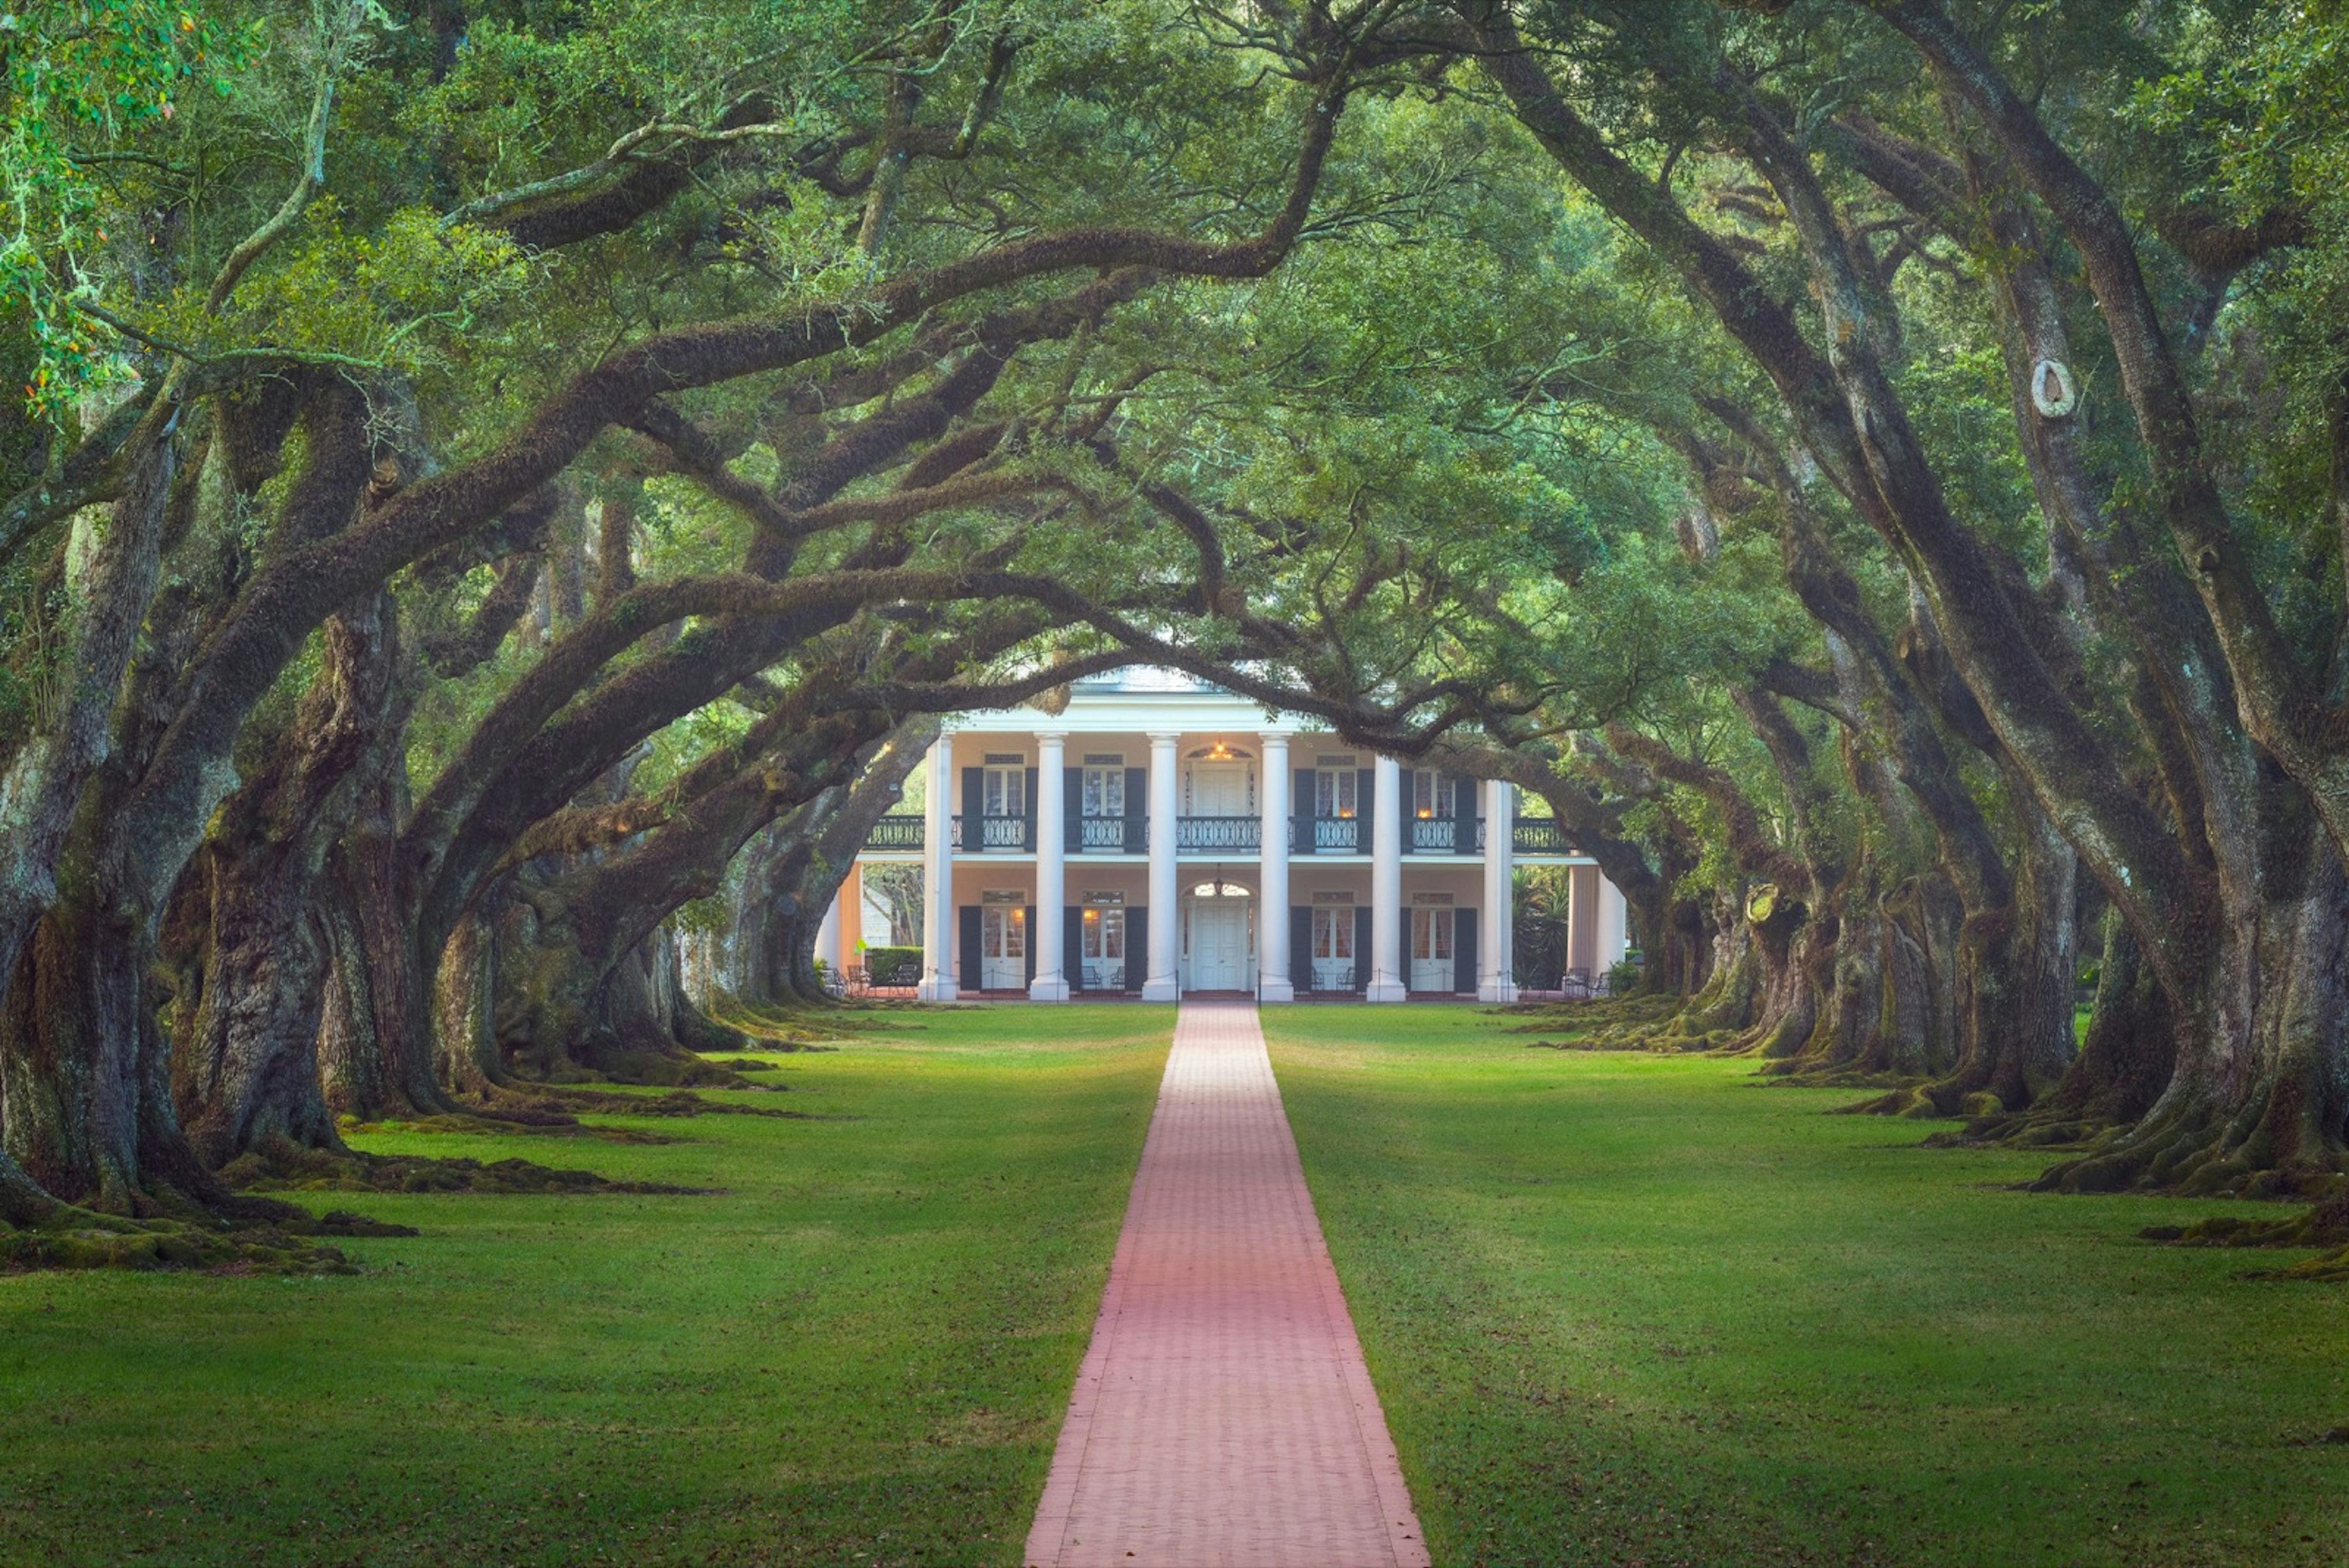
253 1074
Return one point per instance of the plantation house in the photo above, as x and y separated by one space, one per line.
1161 835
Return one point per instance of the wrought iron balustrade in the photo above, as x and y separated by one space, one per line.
895 832
1432 836
1340 833
1003 833
1537 836
1216 833
1109 835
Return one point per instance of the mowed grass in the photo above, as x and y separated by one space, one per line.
1633 1310
858 1355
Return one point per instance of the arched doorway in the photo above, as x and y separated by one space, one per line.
1218 947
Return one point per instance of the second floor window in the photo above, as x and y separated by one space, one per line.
1432 794
1004 791
1105 791
1333 792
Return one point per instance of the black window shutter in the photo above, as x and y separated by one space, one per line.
1300 947
1463 817
1305 807
1028 816
1137 948
1362 967
1137 805
974 800
1073 811
968 919
1072 947
1365 804
1463 950
1031 943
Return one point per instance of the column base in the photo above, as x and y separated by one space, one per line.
938 989
1161 990
1496 991
1275 990
1386 991
1048 988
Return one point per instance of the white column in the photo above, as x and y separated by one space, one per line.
1273 982
1052 981
1387 980
1161 981
1496 963
827 935
1582 921
938 876
1614 919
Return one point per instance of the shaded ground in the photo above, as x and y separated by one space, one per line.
1624 1309
858 1353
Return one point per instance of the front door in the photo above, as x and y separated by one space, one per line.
1430 950
1003 947
1218 945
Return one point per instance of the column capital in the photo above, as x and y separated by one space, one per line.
1166 737
1049 734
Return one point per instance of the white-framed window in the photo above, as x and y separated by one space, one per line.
1003 789
1431 935
1104 934
1333 932
1333 792
1007 931
1103 791
1434 794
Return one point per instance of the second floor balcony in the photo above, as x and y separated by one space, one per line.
904 834
1212 833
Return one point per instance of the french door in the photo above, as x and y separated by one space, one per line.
1103 956
1002 947
1430 950
1333 946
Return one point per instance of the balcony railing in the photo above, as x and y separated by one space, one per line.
1432 836
1112 836
1536 836
994 833
1130 835
1216 833
1337 834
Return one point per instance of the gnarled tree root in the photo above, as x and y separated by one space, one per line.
2326 1225
284 1167
38 1233
1922 1102
566 1127
567 1099
2199 1156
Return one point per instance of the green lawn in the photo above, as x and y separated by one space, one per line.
1626 1308
859 1354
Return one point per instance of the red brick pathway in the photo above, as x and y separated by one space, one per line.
1223 1418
